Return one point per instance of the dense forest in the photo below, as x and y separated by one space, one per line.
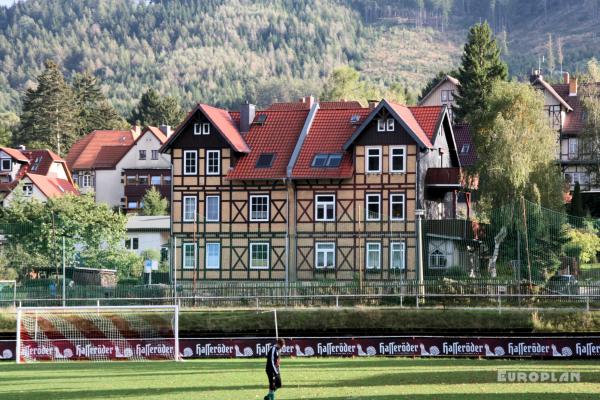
225 51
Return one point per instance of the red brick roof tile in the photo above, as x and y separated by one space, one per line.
225 124
14 153
329 132
324 105
406 114
87 152
52 187
428 117
278 135
463 134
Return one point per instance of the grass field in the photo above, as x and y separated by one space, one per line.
323 379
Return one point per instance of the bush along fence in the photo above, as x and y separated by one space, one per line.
521 254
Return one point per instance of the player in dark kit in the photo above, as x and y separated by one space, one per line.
272 368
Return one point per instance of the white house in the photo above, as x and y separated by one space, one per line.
148 232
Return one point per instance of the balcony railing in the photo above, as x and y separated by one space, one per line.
138 191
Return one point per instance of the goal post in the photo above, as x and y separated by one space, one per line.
133 333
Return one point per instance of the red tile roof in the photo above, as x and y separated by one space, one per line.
157 132
428 117
223 120
14 153
464 135
228 128
408 117
575 120
52 187
325 105
329 132
88 153
278 135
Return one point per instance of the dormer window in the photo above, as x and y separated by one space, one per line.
6 164
202 128
390 125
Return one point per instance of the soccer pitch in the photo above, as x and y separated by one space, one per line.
318 378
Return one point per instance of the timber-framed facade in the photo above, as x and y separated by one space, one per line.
307 190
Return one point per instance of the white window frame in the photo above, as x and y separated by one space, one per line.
252 245
370 247
201 128
152 182
330 250
206 257
9 164
155 154
390 124
573 142
379 155
184 208
86 180
184 248
208 154
391 159
368 201
195 158
392 202
253 198
402 250
381 125
325 205
132 205
206 200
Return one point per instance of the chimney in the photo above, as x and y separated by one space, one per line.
535 75
566 78
136 131
22 147
373 104
310 100
166 129
247 112
573 87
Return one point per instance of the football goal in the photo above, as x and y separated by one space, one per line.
135 333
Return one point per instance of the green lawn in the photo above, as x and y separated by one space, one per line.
323 379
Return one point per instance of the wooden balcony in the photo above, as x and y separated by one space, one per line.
136 192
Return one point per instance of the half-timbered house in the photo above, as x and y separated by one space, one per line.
308 190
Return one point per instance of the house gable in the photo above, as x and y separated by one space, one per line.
403 118
371 135
207 127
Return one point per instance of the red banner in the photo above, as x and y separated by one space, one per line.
414 346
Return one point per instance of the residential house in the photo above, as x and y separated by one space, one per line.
563 106
119 166
148 232
308 190
41 174
442 94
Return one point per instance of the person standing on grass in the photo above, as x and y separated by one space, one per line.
272 368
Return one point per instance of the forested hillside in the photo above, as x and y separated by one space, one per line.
224 51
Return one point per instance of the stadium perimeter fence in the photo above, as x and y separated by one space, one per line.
520 255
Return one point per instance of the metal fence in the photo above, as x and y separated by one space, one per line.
519 255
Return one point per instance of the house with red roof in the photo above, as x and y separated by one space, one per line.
308 190
39 174
565 110
119 166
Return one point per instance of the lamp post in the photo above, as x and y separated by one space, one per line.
419 213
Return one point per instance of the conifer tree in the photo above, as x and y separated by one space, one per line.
94 111
154 110
154 203
48 119
481 67
577 202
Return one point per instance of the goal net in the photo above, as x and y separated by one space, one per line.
136 333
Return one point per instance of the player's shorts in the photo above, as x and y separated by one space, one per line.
274 380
